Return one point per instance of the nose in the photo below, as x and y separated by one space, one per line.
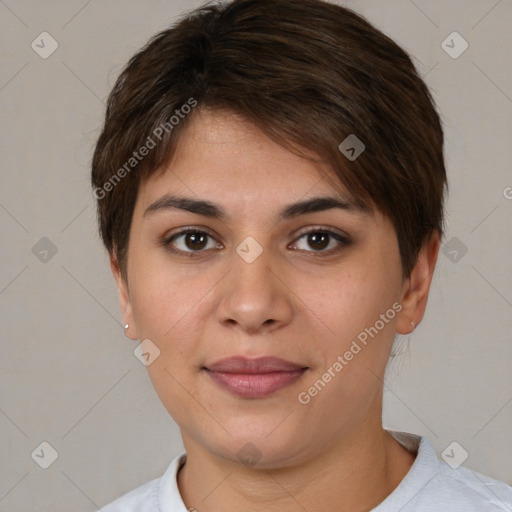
254 297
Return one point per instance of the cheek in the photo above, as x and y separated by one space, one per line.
360 311
169 309
161 297
353 301
354 351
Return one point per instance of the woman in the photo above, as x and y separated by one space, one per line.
270 183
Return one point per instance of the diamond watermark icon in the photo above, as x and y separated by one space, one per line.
146 352
45 455
249 249
352 147
249 455
454 455
454 45
454 249
44 250
44 45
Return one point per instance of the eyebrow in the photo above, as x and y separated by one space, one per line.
170 202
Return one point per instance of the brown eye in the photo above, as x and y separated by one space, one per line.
322 241
190 241
196 241
318 241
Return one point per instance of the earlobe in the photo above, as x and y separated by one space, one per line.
417 286
124 299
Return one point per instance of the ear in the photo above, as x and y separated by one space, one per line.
416 287
124 298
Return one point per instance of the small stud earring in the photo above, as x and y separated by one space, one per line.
126 326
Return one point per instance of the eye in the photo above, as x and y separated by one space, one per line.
321 240
190 240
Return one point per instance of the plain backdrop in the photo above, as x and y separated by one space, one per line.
69 377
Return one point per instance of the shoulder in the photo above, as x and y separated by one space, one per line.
154 496
141 499
471 490
432 484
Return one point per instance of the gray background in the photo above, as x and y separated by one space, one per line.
69 376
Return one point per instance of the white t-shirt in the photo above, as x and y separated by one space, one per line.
429 486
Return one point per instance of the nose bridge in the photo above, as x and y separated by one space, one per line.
253 295
252 274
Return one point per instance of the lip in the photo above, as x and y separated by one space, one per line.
254 378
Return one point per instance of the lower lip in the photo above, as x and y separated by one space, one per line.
255 385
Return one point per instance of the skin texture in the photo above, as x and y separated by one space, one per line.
293 302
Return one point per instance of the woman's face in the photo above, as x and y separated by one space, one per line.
264 280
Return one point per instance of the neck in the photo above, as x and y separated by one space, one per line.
355 474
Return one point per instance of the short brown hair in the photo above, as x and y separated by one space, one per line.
307 73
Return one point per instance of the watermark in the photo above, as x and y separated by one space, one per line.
44 250
45 455
44 45
352 147
249 249
304 397
454 249
145 149
249 455
454 455
146 352
507 193
454 45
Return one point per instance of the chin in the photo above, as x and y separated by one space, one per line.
258 445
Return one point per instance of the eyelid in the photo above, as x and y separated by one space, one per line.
342 238
191 229
323 229
167 239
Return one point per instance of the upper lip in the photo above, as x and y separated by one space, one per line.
239 364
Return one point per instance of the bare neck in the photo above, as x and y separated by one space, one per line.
354 475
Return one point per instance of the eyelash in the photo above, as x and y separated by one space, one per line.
344 241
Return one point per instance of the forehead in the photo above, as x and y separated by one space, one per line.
224 156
